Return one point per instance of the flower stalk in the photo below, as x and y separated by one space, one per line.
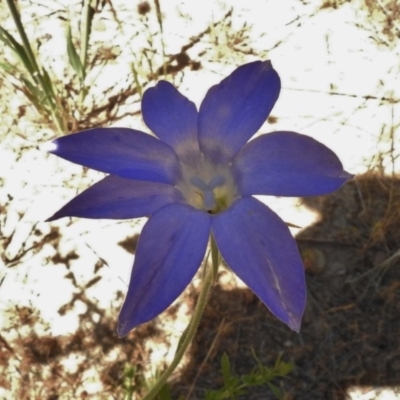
190 331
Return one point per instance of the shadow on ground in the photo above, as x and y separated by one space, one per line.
350 332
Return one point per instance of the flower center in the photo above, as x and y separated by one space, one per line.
207 186
207 190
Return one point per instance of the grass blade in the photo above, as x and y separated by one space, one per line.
25 42
87 18
8 68
17 48
73 57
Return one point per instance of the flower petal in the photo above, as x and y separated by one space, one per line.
120 151
119 198
170 249
235 109
172 117
258 247
287 164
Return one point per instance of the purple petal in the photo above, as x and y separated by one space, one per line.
170 250
172 117
120 151
287 164
119 198
234 110
258 247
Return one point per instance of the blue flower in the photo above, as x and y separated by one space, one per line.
197 178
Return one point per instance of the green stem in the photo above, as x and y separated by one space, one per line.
189 333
